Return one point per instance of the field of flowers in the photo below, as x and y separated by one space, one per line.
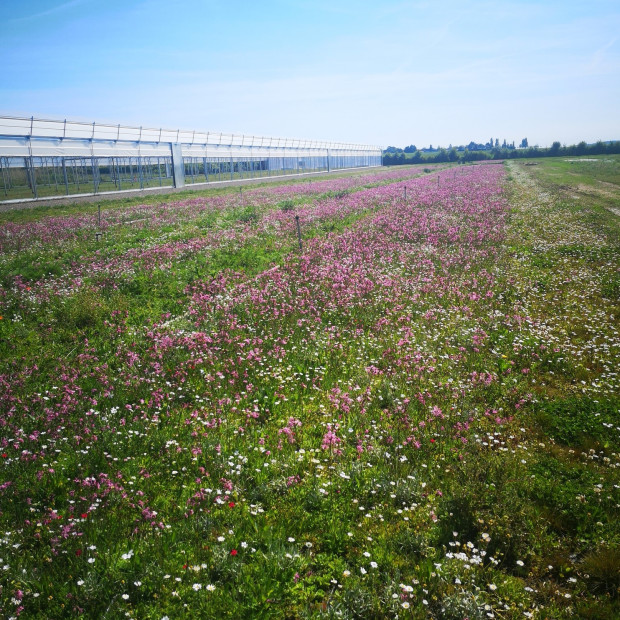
415 416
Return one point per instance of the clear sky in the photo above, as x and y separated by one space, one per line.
387 72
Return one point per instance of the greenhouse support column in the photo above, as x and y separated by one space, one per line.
328 167
95 184
64 175
119 171
178 171
30 168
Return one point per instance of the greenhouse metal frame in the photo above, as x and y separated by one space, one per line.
42 158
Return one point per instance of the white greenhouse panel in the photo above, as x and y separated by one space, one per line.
94 155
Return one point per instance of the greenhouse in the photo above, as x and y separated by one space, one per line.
46 158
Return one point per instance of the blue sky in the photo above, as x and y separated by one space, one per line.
384 72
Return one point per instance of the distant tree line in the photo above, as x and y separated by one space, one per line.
393 156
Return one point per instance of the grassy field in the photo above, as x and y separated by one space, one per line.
415 416
595 171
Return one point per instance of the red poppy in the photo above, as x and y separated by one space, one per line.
233 552
78 552
84 515
432 441
231 504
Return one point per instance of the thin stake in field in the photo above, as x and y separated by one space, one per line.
98 234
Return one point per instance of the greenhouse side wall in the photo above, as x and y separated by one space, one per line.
45 159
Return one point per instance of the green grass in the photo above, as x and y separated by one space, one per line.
521 516
590 187
591 171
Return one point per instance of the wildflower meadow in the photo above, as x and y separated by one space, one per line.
415 415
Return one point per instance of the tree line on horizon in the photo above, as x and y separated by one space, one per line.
393 156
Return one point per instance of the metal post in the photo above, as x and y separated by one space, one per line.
140 174
119 174
33 181
9 177
231 167
4 176
54 166
95 184
76 178
178 167
47 168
